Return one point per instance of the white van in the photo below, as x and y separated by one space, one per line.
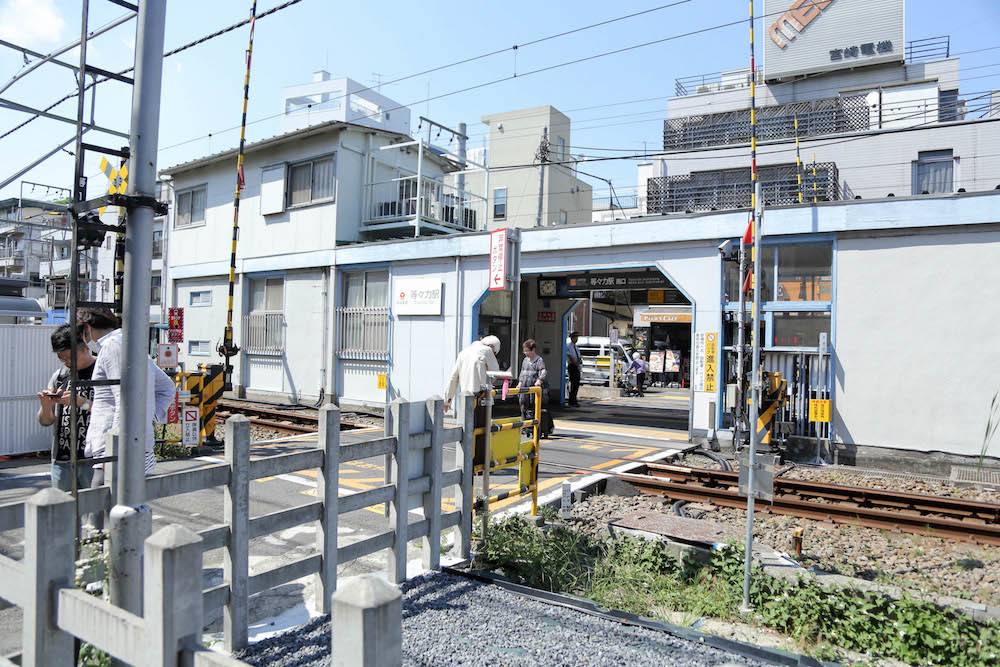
595 352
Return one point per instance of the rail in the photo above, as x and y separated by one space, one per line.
929 48
37 583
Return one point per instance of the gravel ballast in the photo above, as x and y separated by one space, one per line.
451 620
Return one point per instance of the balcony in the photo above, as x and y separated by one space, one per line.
392 205
730 188
627 201
11 258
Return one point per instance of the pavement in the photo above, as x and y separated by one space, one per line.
602 433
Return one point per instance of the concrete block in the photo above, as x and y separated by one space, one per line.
367 623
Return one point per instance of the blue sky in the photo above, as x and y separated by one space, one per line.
202 87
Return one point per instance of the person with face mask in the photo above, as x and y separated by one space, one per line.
101 332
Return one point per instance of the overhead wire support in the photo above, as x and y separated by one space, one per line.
227 348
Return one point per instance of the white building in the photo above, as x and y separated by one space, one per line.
326 99
515 138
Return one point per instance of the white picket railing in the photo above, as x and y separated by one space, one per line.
55 612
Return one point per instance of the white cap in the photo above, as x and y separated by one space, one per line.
636 356
493 342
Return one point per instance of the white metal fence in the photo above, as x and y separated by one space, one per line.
26 364
55 612
396 199
364 332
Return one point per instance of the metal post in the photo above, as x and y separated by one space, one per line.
487 456
514 236
740 409
465 461
420 175
131 521
460 180
755 389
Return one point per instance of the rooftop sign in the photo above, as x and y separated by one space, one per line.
813 36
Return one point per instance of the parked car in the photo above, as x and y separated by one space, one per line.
595 352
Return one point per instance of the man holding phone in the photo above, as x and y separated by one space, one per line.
55 409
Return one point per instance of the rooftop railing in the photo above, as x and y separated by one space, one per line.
931 48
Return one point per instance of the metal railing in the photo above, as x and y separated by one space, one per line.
731 188
714 82
264 333
440 203
364 332
628 201
930 48
157 248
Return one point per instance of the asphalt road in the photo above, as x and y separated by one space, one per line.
588 438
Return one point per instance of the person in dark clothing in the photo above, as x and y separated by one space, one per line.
573 364
54 409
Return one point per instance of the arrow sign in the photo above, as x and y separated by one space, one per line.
498 259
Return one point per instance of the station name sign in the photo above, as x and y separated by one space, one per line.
604 281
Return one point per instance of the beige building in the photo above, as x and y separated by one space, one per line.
515 138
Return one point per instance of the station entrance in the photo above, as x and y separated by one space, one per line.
617 312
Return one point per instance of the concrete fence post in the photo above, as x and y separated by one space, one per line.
327 488
434 421
236 558
464 452
172 600
399 507
49 564
367 623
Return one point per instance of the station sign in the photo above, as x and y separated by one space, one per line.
616 281
498 259
546 316
417 296
812 36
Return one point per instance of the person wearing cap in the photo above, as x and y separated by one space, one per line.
574 364
471 367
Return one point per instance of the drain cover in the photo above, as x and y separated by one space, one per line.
975 475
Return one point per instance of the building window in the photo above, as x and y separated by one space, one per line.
563 217
934 172
560 148
799 329
158 244
500 203
154 290
200 298
364 318
199 348
265 323
804 273
733 283
948 106
311 181
190 209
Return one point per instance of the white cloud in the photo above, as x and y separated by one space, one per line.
31 23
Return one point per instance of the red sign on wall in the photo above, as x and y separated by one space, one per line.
173 411
175 334
546 316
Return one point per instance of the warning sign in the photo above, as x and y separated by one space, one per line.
190 429
166 355
175 333
381 380
705 361
498 259
173 411
819 410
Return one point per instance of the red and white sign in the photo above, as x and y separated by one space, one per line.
498 259
190 429
175 333
166 355
546 316
173 411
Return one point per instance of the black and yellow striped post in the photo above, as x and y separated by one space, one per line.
228 348
212 387
775 391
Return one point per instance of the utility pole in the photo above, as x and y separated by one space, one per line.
131 518
542 156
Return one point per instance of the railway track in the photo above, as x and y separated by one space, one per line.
938 516
290 422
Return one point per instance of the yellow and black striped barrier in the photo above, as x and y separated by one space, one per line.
213 386
507 449
775 391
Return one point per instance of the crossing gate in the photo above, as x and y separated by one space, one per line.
509 449
206 386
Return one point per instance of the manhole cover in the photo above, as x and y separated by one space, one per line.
975 475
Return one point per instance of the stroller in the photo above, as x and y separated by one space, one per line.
630 386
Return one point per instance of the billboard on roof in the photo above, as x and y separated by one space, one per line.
812 36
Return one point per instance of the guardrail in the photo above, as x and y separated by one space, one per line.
54 611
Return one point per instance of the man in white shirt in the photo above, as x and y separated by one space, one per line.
471 367
100 330
573 365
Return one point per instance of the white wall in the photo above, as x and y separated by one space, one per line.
917 336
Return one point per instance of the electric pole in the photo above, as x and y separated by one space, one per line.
542 156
